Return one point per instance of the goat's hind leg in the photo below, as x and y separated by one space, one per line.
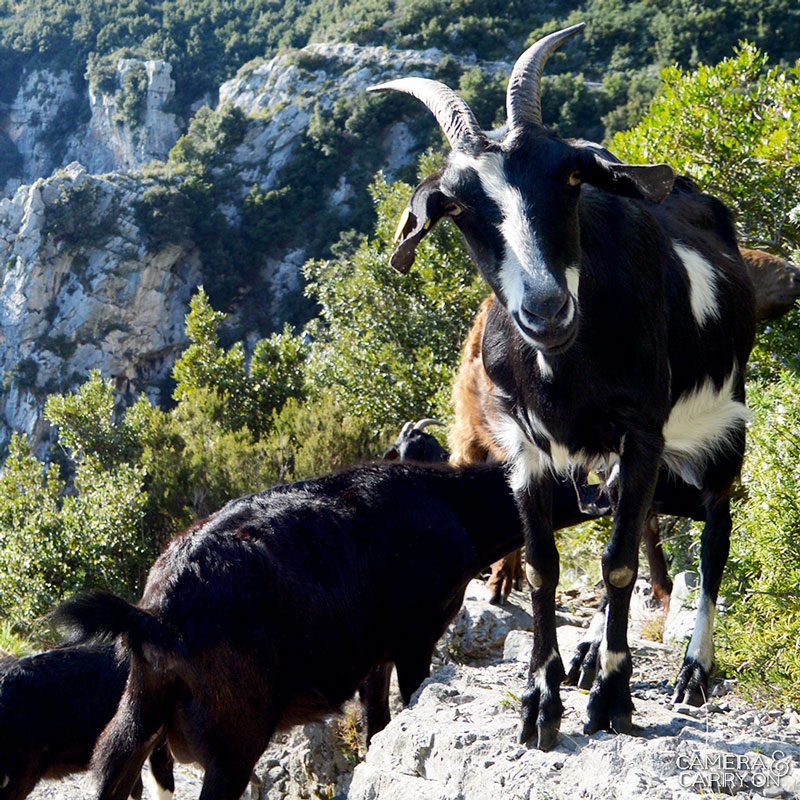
583 666
374 695
691 685
124 745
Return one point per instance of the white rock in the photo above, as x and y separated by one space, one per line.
682 607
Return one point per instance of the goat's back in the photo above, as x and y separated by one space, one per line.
53 707
324 566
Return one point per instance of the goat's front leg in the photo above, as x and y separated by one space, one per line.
541 701
610 704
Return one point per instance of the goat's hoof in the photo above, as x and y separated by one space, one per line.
583 667
610 706
691 685
546 733
541 715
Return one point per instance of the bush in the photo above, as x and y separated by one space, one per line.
131 101
735 128
761 631
53 545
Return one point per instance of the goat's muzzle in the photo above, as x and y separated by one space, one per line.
551 327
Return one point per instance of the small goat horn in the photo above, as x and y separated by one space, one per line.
423 423
523 96
452 113
405 429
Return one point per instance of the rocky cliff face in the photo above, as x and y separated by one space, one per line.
282 95
81 291
52 123
81 286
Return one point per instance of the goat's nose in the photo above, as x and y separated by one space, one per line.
548 308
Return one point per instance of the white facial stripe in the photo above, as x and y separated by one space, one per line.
700 425
701 646
702 284
523 254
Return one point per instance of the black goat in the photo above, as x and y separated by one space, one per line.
277 608
624 322
414 443
53 707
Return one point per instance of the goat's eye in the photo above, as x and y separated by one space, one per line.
575 178
453 209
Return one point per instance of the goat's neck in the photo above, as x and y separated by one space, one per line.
486 505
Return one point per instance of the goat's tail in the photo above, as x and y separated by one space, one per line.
99 614
141 719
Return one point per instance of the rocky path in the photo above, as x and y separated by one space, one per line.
459 738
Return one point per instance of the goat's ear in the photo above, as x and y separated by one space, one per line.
649 181
422 212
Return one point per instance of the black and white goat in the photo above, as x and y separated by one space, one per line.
624 322
53 708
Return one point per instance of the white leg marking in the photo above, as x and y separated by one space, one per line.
594 633
610 660
701 645
540 678
154 789
702 284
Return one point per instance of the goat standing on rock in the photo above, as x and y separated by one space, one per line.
624 322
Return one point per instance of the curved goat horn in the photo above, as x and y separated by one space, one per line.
523 96
404 431
423 423
452 113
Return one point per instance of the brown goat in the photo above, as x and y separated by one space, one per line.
777 286
777 283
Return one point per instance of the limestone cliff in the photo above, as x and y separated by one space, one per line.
80 290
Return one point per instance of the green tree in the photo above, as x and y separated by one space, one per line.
735 128
249 393
390 343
